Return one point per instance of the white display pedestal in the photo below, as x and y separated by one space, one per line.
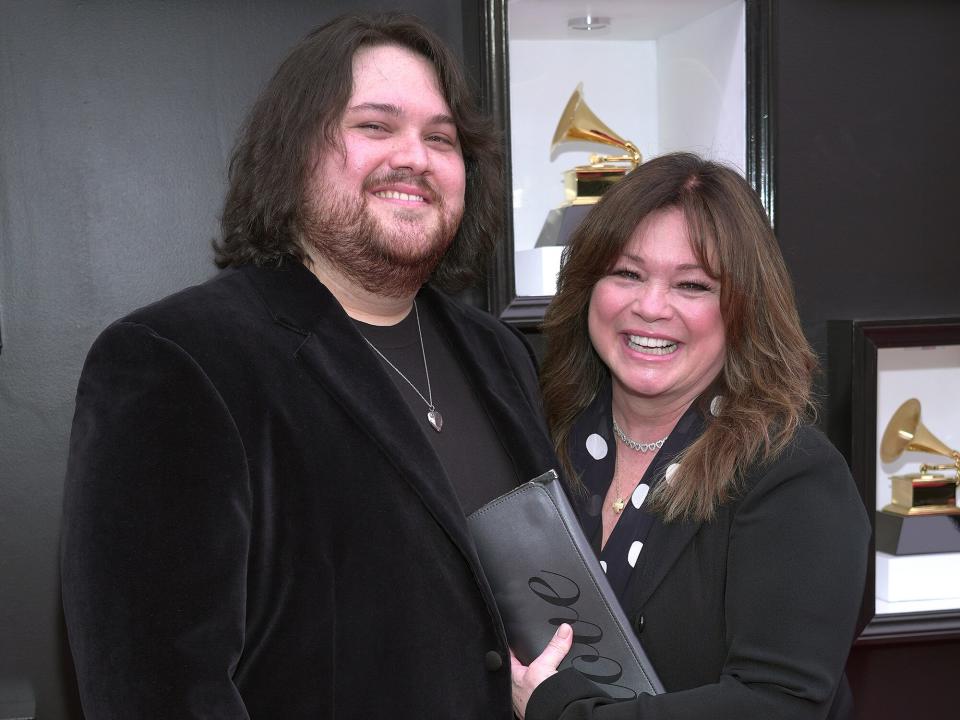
917 583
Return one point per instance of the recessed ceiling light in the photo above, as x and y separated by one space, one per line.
588 22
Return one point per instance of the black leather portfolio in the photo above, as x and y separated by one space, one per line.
544 573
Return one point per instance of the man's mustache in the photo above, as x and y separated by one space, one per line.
401 176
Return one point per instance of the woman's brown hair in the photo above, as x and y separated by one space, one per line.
767 373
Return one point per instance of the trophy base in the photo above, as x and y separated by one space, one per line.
560 224
917 534
586 183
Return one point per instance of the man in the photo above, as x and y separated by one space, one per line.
268 477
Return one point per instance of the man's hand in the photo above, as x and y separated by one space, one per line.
526 679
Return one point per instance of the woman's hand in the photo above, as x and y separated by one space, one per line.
526 679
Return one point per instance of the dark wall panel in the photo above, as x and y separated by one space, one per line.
911 681
867 114
116 122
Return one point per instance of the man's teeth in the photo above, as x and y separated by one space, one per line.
394 195
651 346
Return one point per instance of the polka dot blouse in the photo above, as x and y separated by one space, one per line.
593 454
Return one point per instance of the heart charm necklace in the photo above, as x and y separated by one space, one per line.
433 415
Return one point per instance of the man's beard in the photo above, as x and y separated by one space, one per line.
381 260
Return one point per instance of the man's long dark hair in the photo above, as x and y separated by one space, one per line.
300 109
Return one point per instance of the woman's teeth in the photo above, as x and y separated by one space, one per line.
651 346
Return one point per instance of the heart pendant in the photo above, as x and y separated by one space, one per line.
618 505
435 419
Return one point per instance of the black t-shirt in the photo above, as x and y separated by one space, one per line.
469 449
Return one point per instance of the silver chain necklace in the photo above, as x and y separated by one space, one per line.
433 415
620 502
633 444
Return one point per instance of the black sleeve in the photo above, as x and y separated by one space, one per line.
795 576
155 534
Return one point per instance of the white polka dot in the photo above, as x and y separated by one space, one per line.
603 564
597 447
639 495
671 471
634 553
715 405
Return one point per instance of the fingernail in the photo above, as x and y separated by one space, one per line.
564 631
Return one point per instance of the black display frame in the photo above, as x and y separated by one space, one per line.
526 312
852 426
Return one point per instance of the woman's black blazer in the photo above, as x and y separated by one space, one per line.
752 614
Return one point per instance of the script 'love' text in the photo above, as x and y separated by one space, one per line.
563 593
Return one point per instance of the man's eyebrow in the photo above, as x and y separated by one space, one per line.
387 108
397 111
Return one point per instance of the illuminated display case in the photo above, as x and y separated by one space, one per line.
648 75
913 587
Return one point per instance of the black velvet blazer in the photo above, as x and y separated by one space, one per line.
256 526
751 615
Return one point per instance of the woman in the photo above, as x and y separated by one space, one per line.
677 385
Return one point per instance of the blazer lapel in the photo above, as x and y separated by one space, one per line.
666 542
332 349
334 353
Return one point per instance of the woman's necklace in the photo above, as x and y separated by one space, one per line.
633 444
620 502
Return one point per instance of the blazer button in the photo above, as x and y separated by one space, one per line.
639 623
493 660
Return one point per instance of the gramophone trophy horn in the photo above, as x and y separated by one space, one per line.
583 185
906 432
579 122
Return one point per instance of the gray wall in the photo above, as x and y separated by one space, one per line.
116 122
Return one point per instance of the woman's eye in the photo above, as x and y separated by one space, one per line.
695 286
627 274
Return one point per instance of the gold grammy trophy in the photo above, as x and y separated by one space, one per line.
584 184
918 520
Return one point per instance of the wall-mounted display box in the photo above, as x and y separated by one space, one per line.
894 411
664 75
